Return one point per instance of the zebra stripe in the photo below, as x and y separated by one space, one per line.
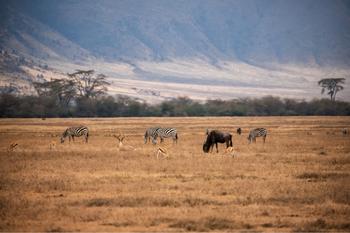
75 132
258 132
151 133
166 133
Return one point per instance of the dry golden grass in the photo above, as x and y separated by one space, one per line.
298 181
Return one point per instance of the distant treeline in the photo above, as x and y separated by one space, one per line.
122 106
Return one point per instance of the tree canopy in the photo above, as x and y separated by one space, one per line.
332 85
88 84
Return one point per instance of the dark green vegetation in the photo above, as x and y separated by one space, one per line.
108 106
84 94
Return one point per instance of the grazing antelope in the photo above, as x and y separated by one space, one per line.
75 132
12 146
121 146
258 132
229 150
162 151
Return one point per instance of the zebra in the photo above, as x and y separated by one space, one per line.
258 132
166 133
151 133
75 132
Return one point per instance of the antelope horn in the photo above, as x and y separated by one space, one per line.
163 150
117 137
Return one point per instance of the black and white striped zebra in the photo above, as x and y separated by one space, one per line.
166 133
258 132
75 132
151 133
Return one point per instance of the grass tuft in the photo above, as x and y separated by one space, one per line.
204 224
267 225
56 229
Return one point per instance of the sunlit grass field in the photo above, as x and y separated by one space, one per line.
299 180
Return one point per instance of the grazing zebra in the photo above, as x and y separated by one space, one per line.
75 132
151 133
165 133
258 132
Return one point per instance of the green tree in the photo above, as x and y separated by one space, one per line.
61 89
89 85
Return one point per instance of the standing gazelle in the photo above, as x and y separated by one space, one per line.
121 145
12 146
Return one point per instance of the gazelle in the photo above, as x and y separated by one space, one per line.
163 152
230 151
12 146
121 146
52 145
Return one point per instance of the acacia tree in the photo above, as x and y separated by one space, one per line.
333 85
61 89
88 84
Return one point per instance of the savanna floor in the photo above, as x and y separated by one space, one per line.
298 181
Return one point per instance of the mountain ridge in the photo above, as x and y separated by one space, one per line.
250 31
256 44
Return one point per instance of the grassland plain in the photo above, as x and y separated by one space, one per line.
298 181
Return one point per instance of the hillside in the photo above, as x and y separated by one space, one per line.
314 32
247 47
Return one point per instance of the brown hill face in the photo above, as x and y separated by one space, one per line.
27 36
305 32
199 48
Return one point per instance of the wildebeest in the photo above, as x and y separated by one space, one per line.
214 137
239 131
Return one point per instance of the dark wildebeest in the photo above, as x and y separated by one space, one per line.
214 137
239 131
